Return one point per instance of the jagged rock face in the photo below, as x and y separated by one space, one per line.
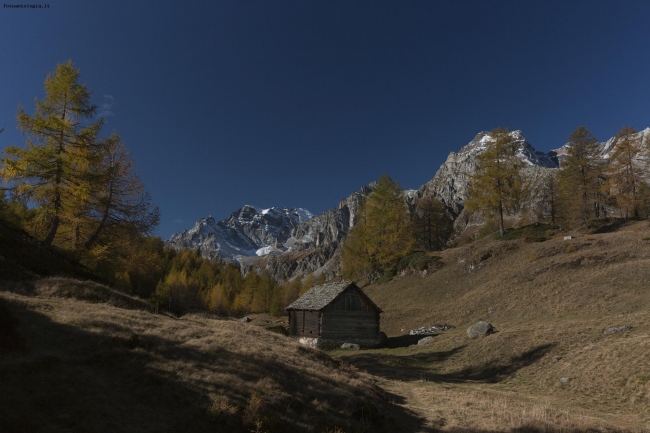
247 232
329 228
324 261
315 245
283 242
451 181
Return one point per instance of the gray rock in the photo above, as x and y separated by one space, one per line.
566 379
430 329
425 341
350 346
479 329
245 320
617 329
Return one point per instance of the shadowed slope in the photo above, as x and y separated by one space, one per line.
68 365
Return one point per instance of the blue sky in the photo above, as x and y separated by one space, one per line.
299 103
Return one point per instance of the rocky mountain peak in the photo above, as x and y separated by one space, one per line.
450 181
248 231
526 152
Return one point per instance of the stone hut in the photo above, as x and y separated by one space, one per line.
335 312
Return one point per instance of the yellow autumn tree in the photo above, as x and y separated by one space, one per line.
496 187
382 234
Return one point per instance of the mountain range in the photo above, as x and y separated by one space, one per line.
293 242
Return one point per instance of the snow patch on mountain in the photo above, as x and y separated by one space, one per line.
249 231
525 151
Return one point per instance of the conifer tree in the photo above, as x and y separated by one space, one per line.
120 200
83 187
381 236
496 186
626 171
53 168
432 224
581 177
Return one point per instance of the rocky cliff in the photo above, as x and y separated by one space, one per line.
450 185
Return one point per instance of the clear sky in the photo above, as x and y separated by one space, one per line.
299 103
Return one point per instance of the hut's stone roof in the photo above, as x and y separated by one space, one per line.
318 297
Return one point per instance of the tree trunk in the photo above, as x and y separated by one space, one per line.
501 228
52 233
89 243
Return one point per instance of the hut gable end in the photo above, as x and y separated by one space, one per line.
351 300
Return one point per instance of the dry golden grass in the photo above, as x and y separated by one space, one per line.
61 287
76 366
550 303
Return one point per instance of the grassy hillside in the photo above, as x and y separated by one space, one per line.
550 303
80 357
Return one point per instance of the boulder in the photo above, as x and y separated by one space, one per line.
350 346
424 341
245 319
479 329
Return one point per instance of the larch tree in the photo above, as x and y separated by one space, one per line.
545 196
580 177
83 187
496 186
120 200
382 234
53 168
627 171
432 224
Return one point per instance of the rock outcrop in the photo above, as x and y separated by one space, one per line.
617 329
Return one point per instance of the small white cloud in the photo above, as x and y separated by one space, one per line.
106 109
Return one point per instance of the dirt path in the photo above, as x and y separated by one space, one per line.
410 396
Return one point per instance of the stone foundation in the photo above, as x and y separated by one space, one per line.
333 344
